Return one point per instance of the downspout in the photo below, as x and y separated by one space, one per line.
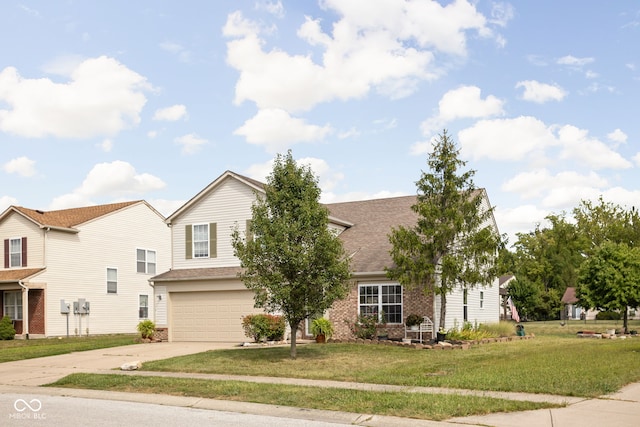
25 309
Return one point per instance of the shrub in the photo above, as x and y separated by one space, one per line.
146 328
7 332
262 327
365 326
470 332
608 315
413 320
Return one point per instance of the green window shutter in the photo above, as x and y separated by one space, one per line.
213 240
249 231
188 244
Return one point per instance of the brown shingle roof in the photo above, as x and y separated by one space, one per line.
569 296
18 274
197 274
68 218
367 240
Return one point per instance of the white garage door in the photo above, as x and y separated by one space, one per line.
210 316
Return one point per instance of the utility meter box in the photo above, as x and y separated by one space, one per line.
64 307
81 306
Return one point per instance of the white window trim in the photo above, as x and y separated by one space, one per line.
19 313
107 280
146 260
380 304
140 306
193 241
11 264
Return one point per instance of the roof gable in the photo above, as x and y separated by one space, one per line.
254 184
67 218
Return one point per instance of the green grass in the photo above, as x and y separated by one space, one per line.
571 327
28 349
411 405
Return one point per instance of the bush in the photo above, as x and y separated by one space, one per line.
365 326
263 327
146 328
471 332
7 332
608 315
413 320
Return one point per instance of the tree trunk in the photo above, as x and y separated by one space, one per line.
294 333
443 310
625 320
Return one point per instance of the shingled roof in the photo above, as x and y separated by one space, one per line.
68 218
12 276
367 240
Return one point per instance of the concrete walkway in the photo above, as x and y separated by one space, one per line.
25 376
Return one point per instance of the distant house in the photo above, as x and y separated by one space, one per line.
201 297
81 271
572 309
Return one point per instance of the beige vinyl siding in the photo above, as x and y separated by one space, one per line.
228 205
160 296
77 268
16 226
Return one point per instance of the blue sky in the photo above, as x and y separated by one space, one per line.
110 101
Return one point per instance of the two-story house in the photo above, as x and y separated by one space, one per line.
202 299
81 271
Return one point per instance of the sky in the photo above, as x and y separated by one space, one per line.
103 102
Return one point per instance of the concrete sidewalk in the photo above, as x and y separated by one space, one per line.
619 409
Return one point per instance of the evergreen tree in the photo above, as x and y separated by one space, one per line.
452 244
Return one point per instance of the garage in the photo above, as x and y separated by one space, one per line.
210 315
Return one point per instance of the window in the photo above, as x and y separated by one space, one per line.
481 299
143 311
146 261
376 299
465 310
13 304
201 241
15 252
112 280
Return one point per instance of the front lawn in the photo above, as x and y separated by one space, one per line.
28 349
564 366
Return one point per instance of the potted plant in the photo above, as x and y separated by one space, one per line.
322 329
413 322
441 335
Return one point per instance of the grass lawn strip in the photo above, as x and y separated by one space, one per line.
548 365
390 403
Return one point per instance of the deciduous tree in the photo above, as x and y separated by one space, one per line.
292 261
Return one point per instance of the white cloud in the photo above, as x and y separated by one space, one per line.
171 114
102 97
388 48
636 158
576 144
514 220
277 130
618 137
540 93
111 180
191 143
573 61
536 183
166 207
273 7
106 145
22 166
6 201
463 102
506 139
176 49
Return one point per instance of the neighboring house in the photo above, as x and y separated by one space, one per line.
503 283
201 297
572 309
82 271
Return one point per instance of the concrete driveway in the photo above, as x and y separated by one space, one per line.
44 370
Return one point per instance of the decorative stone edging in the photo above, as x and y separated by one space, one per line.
443 345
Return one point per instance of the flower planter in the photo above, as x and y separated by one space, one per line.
321 338
441 336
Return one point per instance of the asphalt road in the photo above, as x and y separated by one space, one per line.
54 411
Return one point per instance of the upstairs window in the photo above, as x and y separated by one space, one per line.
145 261
201 241
15 252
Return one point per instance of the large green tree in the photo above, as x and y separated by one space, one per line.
610 279
453 243
292 261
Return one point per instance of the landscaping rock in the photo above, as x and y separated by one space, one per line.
131 366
